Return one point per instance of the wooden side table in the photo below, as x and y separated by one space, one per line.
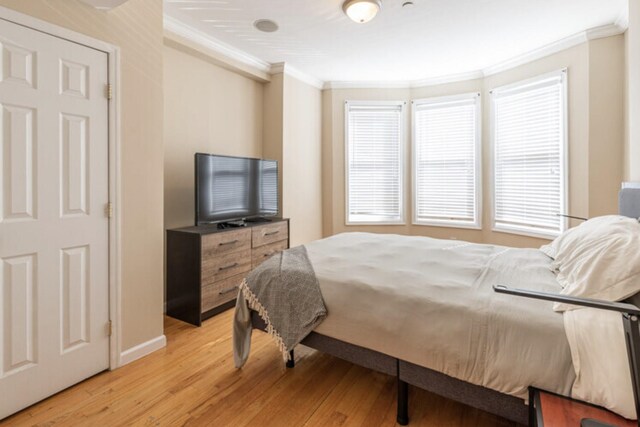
552 410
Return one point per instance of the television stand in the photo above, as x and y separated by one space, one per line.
205 264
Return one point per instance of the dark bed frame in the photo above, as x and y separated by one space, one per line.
485 399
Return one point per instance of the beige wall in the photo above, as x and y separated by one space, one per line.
207 109
292 136
136 27
273 128
595 95
632 148
606 123
212 109
302 183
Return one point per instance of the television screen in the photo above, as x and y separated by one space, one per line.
232 188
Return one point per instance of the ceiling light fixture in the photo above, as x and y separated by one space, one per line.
361 11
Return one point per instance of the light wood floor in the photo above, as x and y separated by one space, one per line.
193 382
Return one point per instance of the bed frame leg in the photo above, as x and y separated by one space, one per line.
291 363
403 402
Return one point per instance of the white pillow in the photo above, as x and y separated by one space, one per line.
599 355
599 259
565 244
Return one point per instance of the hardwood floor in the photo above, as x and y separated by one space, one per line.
193 382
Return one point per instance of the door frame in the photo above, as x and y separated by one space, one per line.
115 220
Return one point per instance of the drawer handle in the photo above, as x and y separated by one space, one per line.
268 255
235 264
228 243
226 291
271 233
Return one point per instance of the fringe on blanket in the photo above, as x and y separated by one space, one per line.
254 304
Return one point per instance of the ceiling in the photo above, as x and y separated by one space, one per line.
431 39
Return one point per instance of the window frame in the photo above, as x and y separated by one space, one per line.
521 86
401 154
477 223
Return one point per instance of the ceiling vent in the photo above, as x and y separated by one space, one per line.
266 25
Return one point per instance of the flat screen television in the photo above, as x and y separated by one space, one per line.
234 188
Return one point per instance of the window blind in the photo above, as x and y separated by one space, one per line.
530 150
374 162
446 152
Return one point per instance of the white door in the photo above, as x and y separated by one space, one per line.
54 307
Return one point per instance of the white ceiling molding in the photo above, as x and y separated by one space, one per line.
434 81
550 49
104 4
177 27
213 44
560 45
623 19
282 67
196 36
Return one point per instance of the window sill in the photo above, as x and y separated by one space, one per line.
448 224
356 223
525 232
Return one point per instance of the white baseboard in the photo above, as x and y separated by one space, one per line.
141 350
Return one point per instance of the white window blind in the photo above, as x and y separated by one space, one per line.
446 152
530 128
374 134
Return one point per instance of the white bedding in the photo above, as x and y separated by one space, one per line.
430 302
599 259
599 355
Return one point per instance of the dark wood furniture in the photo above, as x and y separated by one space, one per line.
205 264
552 410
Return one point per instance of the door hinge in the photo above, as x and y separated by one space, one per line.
108 91
108 210
109 328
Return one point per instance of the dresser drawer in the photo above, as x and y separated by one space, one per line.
265 234
229 241
222 266
263 253
220 292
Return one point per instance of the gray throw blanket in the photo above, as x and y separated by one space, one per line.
285 292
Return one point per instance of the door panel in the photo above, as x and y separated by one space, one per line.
53 229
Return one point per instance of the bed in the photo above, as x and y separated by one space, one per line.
446 332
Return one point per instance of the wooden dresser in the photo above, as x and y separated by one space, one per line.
206 264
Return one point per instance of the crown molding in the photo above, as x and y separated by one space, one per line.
623 19
399 84
282 67
213 44
196 36
592 34
367 84
558 46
